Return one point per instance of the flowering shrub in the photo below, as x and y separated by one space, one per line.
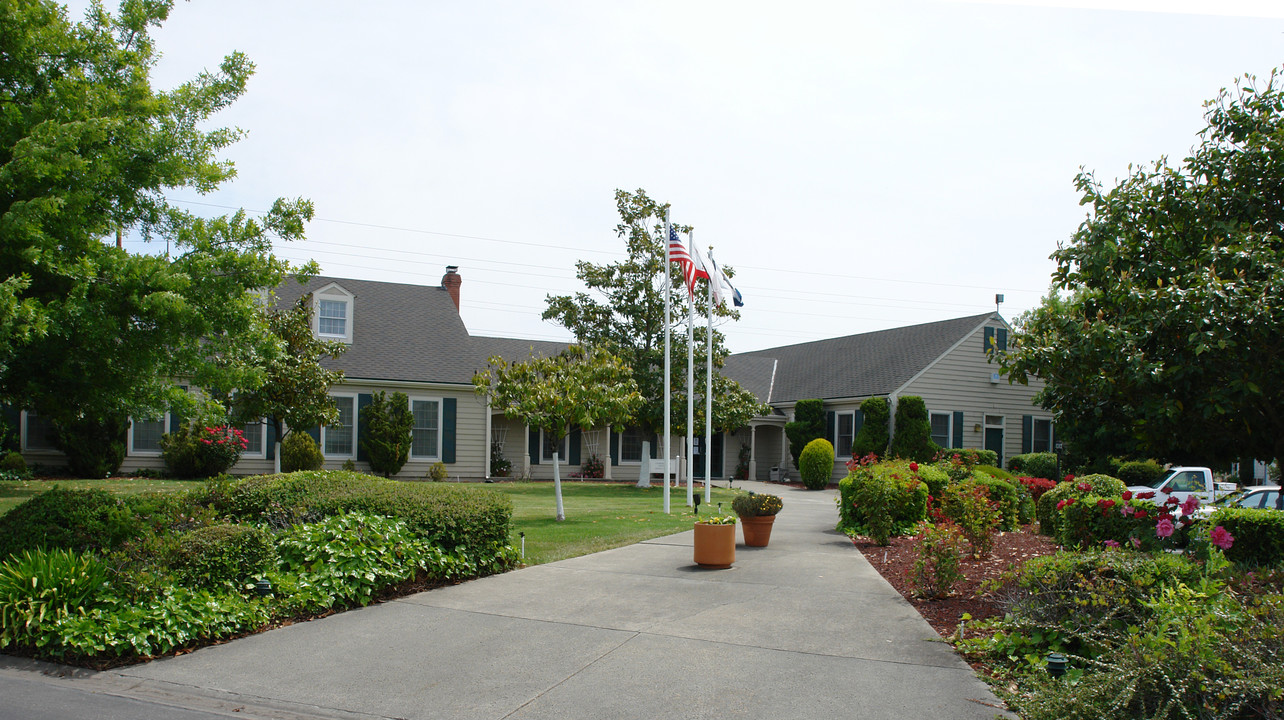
195 451
978 517
936 561
1049 505
591 468
1258 534
1036 485
882 500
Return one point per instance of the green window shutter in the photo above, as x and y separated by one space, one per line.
615 448
448 409
715 469
269 441
655 446
1002 339
574 452
830 426
958 429
363 402
532 444
1027 433
988 342
315 432
12 431
857 422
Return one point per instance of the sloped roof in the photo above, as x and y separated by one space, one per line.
873 363
411 333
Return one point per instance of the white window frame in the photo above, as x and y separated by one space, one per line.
334 293
949 427
262 453
26 446
325 429
164 420
1034 434
563 452
619 447
440 418
846 450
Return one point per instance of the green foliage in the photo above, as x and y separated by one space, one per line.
968 504
223 554
201 451
752 504
882 500
623 311
349 557
300 452
935 477
499 467
816 464
94 447
67 519
42 586
873 435
437 472
1011 499
1041 465
13 462
386 435
1091 520
936 560
1259 534
913 437
807 425
1141 472
1099 485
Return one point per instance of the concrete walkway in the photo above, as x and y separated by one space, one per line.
804 628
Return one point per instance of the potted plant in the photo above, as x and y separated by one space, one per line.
757 513
715 541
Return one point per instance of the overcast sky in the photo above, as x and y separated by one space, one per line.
862 165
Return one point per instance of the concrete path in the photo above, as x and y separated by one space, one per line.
804 628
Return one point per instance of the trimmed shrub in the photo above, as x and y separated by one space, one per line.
882 500
67 519
872 436
913 437
936 560
1041 465
386 432
1090 520
349 557
1259 534
300 452
1036 486
935 477
201 451
994 472
1046 509
816 464
807 425
1007 497
43 586
223 554
94 448
1141 473
13 462
969 505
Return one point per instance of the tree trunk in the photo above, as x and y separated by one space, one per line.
557 488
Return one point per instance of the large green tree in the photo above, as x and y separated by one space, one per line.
623 310
579 388
91 334
1165 326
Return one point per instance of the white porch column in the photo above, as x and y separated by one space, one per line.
526 455
489 419
606 459
753 450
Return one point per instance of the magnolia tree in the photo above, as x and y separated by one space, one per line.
579 388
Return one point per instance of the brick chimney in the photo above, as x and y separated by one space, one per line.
450 282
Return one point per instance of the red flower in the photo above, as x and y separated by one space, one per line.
1085 486
1146 495
1141 515
1221 538
1105 504
1172 501
1068 478
913 467
1127 495
1063 503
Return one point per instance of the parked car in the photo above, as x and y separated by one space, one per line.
1182 482
1256 496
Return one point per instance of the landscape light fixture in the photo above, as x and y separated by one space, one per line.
1057 664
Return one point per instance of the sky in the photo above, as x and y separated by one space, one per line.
860 165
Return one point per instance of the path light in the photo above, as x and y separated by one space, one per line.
1057 664
523 534
262 587
696 498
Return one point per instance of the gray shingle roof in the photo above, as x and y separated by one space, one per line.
874 363
411 333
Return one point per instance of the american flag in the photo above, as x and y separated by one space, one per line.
678 253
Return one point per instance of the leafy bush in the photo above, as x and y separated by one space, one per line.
935 477
994 472
971 457
1141 473
94 448
1091 520
817 464
913 437
223 554
1041 465
882 500
67 519
1046 509
40 587
1007 496
437 472
873 434
351 557
968 504
1036 486
753 504
936 560
201 451
300 452
386 432
13 462
499 467
807 425
1259 534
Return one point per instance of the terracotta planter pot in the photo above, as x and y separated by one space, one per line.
715 545
757 529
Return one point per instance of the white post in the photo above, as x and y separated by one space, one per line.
557 486
668 304
606 461
690 389
708 393
644 469
489 440
753 452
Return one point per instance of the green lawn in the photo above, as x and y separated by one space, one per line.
599 516
14 493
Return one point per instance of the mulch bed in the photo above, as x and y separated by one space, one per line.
1011 549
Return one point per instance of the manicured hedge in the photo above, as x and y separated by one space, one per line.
1259 534
882 500
1141 472
67 519
1041 465
1008 498
223 554
1099 485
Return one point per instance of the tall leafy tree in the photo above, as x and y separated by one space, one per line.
579 388
623 311
807 425
1166 322
90 334
387 432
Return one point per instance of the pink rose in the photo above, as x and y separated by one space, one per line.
1112 544
1221 538
1190 506
1164 528
1127 510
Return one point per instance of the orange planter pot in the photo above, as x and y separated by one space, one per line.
757 529
715 545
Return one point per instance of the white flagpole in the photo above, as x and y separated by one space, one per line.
690 384
668 302
708 388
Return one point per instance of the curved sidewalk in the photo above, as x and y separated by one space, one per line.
804 628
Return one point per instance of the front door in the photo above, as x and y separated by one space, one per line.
994 435
698 457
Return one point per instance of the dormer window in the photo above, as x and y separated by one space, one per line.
332 313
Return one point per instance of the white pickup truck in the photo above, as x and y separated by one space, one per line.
1182 482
